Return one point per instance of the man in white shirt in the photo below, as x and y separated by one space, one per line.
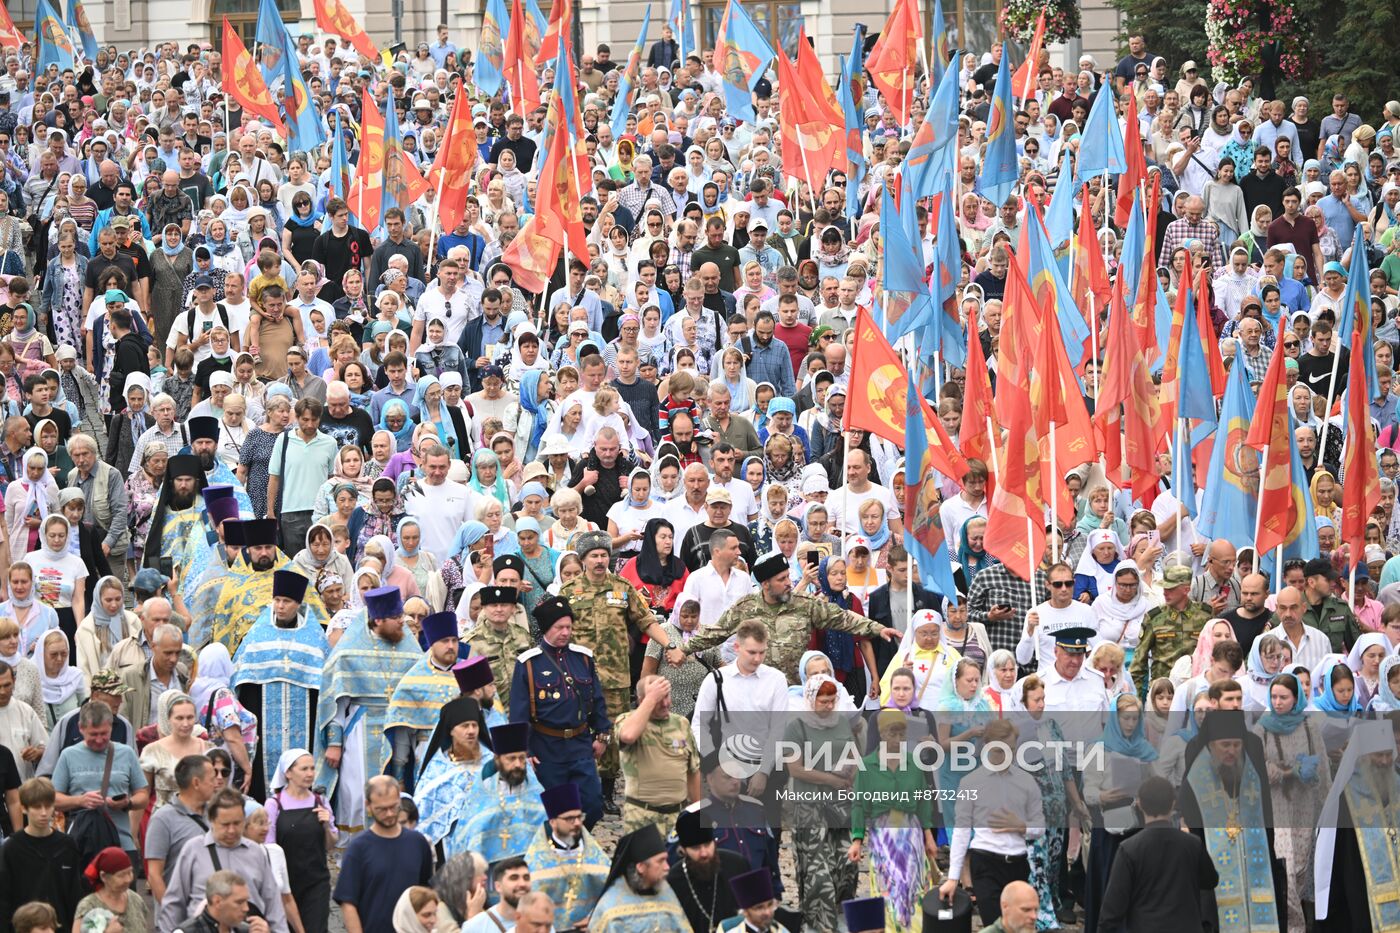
719 584
970 502
441 300
21 729
688 510
305 301
1068 686
1001 802
845 501
755 697
723 458
1309 645
195 326
440 505
1046 621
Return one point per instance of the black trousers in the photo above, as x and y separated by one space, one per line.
990 874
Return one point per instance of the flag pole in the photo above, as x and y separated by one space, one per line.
437 217
1259 516
1094 343
1278 569
1331 395
1054 498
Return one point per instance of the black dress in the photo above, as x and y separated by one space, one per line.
303 839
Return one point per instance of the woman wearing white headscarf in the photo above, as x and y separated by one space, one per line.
922 651
1235 282
62 686
29 500
1098 564
1120 619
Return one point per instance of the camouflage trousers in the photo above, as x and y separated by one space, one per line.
619 700
635 817
825 877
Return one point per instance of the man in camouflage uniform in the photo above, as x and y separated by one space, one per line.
1325 612
789 618
607 612
1169 631
499 639
660 763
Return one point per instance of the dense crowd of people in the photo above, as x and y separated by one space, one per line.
345 580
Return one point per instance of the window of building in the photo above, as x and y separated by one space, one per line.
779 20
243 16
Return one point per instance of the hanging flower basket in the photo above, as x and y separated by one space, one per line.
1018 20
1239 29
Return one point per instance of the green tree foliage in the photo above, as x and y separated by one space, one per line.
1356 54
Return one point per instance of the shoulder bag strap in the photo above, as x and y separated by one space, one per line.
107 770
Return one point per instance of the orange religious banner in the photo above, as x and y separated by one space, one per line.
881 406
333 17
244 81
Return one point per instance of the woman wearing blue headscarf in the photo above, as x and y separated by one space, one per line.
528 418
432 410
1300 775
971 554
469 560
486 476
963 712
393 417
848 667
1125 742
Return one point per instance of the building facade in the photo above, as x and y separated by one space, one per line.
130 24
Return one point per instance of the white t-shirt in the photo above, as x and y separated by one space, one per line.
56 580
629 519
440 511
745 506
99 308
202 323
842 498
433 304
238 316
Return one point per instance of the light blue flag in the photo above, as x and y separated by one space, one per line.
622 104
1044 272
1356 301
851 70
923 529
304 130
940 41
932 158
78 23
943 284
269 33
747 56
1101 141
341 169
1193 398
487 64
907 303
1000 165
55 44
1230 506
683 27
532 10
1059 217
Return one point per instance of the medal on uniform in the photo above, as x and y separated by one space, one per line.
556 694
542 694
